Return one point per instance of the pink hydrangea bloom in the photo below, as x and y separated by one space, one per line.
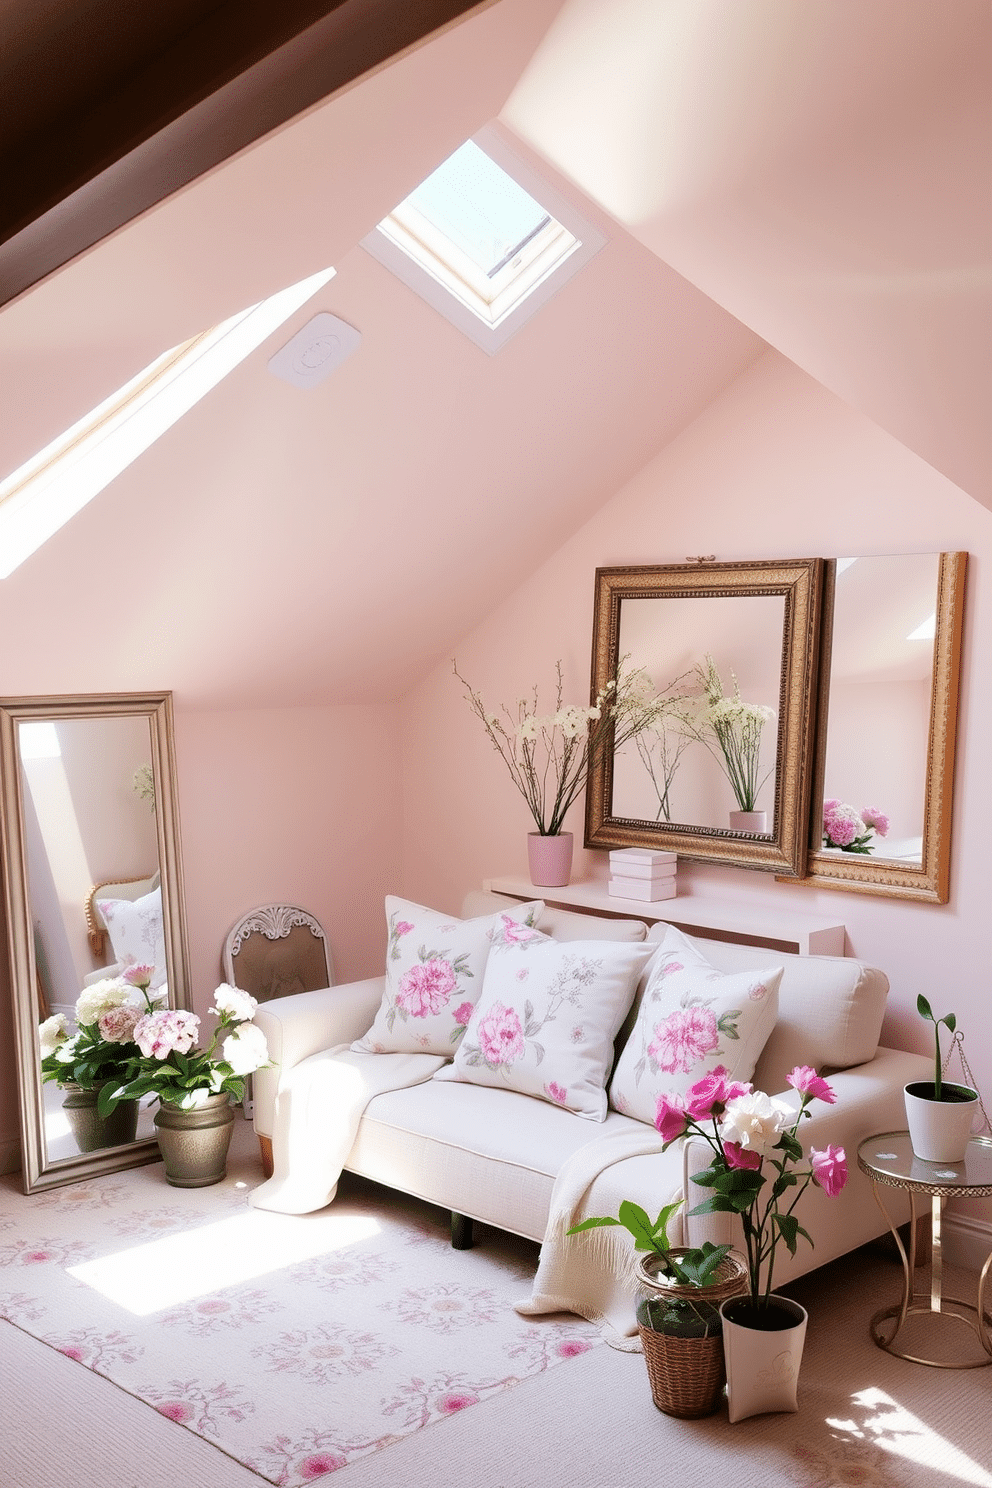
556 1092
117 1025
670 1116
709 1095
829 1169
426 987
158 1034
842 824
501 1036
808 1082
876 819
402 927
741 1157
684 1038
463 1012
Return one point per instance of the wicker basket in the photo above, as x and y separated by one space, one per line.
687 1374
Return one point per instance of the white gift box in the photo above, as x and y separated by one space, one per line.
643 888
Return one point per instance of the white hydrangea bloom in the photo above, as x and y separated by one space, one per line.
245 1050
111 992
756 1121
235 1003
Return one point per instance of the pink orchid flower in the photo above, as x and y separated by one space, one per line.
829 1169
671 1117
741 1157
709 1095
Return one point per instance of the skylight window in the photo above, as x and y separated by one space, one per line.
484 234
47 490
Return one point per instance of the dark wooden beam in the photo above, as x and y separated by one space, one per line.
108 116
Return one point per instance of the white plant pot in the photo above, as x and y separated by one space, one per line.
762 1365
939 1129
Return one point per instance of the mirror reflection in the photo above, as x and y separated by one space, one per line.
880 687
717 660
93 882
93 888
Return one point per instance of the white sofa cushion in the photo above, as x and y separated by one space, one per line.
547 1017
830 1010
692 1019
434 969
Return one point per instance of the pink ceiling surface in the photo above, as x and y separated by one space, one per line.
283 547
821 171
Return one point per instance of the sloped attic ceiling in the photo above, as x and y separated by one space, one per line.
820 171
280 547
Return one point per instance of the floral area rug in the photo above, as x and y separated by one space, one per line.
296 1344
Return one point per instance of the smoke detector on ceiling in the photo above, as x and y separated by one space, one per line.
315 351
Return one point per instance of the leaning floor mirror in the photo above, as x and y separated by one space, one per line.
92 883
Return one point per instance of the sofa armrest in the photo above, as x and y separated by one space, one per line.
869 1100
304 1024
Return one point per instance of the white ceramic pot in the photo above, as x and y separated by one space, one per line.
939 1129
763 1349
749 821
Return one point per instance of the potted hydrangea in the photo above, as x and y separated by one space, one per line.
96 1056
845 829
194 1086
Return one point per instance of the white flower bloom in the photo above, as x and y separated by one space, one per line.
111 992
245 1050
66 1053
51 1033
234 1003
756 1121
527 728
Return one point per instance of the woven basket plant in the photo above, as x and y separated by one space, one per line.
680 1332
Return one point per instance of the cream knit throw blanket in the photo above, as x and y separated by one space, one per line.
318 1109
591 1274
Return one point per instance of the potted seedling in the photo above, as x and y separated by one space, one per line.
678 1314
939 1112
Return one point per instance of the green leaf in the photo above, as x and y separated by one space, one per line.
923 1008
788 1228
635 1219
715 1204
791 1146
951 1022
593 1224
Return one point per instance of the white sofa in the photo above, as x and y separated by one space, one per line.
494 1155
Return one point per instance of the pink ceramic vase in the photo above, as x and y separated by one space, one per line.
550 859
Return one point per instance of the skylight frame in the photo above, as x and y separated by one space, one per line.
489 317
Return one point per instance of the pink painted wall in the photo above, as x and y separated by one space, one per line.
296 805
777 467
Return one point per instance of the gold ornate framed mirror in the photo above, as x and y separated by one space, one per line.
888 714
750 631
88 799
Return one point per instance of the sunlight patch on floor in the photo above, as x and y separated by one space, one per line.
177 1268
883 1422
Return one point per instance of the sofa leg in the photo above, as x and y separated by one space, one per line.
461 1232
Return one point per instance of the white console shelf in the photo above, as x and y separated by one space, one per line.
805 935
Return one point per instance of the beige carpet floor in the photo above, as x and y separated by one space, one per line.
866 1419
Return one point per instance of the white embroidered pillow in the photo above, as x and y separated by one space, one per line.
434 969
136 933
547 1018
692 1018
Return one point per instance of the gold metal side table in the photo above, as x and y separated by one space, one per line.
889 1161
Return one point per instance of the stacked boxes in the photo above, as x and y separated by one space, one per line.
639 873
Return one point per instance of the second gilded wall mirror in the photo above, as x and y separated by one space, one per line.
726 776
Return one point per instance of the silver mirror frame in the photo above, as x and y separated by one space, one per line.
38 1172
800 583
930 882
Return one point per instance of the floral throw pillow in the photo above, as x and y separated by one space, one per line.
434 971
136 932
547 1017
692 1019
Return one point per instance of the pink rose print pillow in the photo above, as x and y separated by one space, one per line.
691 1019
434 970
547 1017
